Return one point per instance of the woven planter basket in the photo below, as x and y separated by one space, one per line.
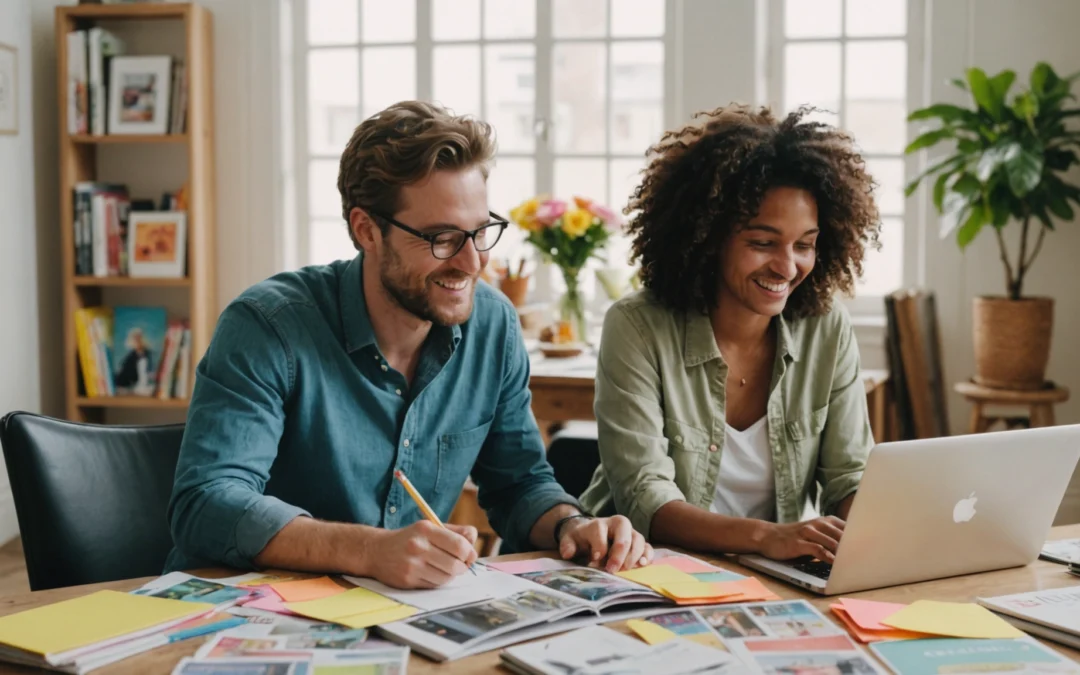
1012 341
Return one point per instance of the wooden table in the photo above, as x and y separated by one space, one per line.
1040 575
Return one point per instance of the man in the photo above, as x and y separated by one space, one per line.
319 384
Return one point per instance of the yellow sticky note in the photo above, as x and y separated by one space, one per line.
90 619
650 632
378 617
951 619
694 590
655 576
351 602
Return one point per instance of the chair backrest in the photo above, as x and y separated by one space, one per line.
574 460
917 373
91 500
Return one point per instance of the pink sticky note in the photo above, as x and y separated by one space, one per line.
689 565
869 614
271 603
524 566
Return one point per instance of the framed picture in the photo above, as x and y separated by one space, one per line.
157 244
9 101
139 88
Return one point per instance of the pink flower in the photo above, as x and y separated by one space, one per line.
610 217
549 211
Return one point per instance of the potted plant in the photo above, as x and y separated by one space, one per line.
1007 165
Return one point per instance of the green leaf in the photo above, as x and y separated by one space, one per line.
1059 206
1026 106
939 190
983 93
952 163
958 83
968 146
1023 167
1043 78
946 113
1000 207
929 138
970 229
1058 159
1000 85
992 159
967 185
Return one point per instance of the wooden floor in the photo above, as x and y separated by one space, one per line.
13 578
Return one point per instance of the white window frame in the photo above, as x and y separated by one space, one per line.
297 235
869 309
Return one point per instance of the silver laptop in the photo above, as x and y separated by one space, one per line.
943 507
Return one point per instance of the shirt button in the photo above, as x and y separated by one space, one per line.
383 366
405 442
376 357
712 448
678 439
398 392
393 509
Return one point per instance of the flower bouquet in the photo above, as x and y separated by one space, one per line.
568 237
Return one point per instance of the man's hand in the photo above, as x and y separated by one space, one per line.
818 538
597 538
422 555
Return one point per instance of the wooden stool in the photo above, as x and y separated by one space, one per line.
1040 404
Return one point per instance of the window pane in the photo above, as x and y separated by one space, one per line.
878 126
389 77
871 18
579 18
509 18
329 241
456 78
812 18
333 99
889 194
578 82
332 22
324 200
625 177
812 76
455 19
580 177
389 21
876 70
512 181
883 270
631 18
637 95
510 82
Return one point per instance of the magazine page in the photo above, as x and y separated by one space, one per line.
466 589
827 654
1057 608
180 586
1063 551
597 589
784 619
1017 656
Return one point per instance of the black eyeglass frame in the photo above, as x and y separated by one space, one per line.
430 237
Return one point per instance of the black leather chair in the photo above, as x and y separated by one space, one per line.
574 454
91 500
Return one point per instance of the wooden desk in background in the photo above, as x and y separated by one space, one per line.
1039 575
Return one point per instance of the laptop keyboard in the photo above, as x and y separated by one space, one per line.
815 568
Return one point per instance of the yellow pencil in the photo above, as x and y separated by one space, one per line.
421 503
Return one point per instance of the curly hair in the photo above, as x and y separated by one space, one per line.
708 179
402 145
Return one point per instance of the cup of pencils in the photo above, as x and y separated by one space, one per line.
514 283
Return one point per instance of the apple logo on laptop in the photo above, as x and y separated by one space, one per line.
964 509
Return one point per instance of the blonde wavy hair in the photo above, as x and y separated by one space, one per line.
402 145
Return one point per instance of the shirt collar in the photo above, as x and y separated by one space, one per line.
699 345
354 312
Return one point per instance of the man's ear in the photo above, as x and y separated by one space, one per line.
364 229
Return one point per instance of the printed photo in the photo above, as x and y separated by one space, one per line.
816 663
321 636
466 623
690 626
137 97
243 667
200 590
536 603
791 619
226 647
581 582
156 241
731 622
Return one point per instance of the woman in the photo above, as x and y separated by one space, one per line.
728 390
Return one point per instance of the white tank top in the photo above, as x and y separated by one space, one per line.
746 486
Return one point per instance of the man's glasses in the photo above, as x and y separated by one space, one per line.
445 244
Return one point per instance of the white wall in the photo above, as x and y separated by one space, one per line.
19 356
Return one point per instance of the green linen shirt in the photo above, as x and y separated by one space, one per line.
660 401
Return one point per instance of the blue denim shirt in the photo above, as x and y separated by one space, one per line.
296 412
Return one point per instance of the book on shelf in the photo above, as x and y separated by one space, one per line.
1053 614
102 46
78 76
133 351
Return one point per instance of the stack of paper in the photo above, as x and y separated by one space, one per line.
91 631
863 619
1053 614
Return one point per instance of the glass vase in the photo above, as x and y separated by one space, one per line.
572 305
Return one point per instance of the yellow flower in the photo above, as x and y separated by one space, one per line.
524 214
576 223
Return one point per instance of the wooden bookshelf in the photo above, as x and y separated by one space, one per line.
80 160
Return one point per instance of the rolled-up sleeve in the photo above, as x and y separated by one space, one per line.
630 419
218 511
846 439
516 483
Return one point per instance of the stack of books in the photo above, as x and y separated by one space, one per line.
1052 614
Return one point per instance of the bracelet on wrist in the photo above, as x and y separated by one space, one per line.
562 521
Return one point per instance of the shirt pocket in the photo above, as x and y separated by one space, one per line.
688 448
805 435
457 456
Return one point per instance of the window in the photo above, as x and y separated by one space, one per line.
853 59
574 88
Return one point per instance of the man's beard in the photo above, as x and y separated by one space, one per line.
413 297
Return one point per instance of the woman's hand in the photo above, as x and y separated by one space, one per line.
819 538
